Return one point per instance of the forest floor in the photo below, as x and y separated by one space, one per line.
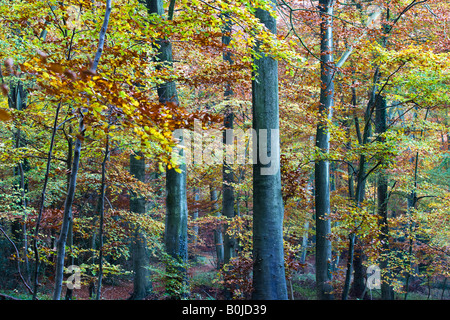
202 287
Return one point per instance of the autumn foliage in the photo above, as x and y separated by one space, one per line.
48 89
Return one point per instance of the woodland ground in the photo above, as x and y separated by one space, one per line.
203 272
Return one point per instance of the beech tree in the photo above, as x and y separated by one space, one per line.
322 168
269 280
338 165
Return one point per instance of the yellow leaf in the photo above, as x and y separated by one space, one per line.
134 102
55 67
4 115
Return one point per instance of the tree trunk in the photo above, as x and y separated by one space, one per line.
269 281
227 172
411 205
228 195
142 285
101 208
322 167
42 205
17 100
69 291
175 237
67 217
387 292
355 256
218 235
176 200
194 218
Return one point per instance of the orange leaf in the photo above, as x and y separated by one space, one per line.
56 67
43 56
4 89
70 74
4 115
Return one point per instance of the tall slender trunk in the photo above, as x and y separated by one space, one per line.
218 235
228 195
387 292
411 205
227 172
69 291
17 100
101 208
175 237
42 205
354 259
269 281
322 167
67 215
142 285
195 217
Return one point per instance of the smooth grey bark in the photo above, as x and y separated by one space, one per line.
387 292
175 237
411 205
218 235
304 242
229 242
142 284
194 218
355 256
354 261
67 215
101 208
69 291
269 281
17 100
42 205
322 167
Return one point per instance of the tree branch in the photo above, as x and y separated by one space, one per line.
18 261
101 41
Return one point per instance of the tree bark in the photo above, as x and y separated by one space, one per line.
269 281
355 255
387 292
227 172
67 215
218 235
195 217
101 208
228 195
175 237
322 167
42 205
142 285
